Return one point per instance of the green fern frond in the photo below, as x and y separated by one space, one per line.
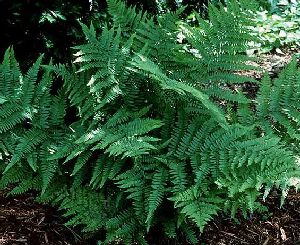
10 75
27 144
178 176
200 212
27 184
48 171
81 161
157 193
278 103
81 206
189 233
127 18
146 65
125 139
28 82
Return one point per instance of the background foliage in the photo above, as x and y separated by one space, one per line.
279 27
51 27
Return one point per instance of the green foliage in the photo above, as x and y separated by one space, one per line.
278 103
151 144
277 28
32 120
51 25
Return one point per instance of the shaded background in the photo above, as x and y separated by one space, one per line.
51 27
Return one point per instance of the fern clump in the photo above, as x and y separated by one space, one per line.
32 125
278 103
151 144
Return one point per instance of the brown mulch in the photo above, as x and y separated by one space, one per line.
24 222
271 63
279 226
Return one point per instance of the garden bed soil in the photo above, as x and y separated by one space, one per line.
278 226
271 63
24 222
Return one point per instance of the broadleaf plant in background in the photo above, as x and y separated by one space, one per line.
277 28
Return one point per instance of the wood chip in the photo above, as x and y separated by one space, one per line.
283 235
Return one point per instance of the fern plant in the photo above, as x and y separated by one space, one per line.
151 144
32 124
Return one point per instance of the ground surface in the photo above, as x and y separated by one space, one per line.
23 222
280 226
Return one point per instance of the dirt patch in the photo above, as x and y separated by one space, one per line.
24 222
279 226
271 63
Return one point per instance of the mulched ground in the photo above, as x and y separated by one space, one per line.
279 226
271 63
24 222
